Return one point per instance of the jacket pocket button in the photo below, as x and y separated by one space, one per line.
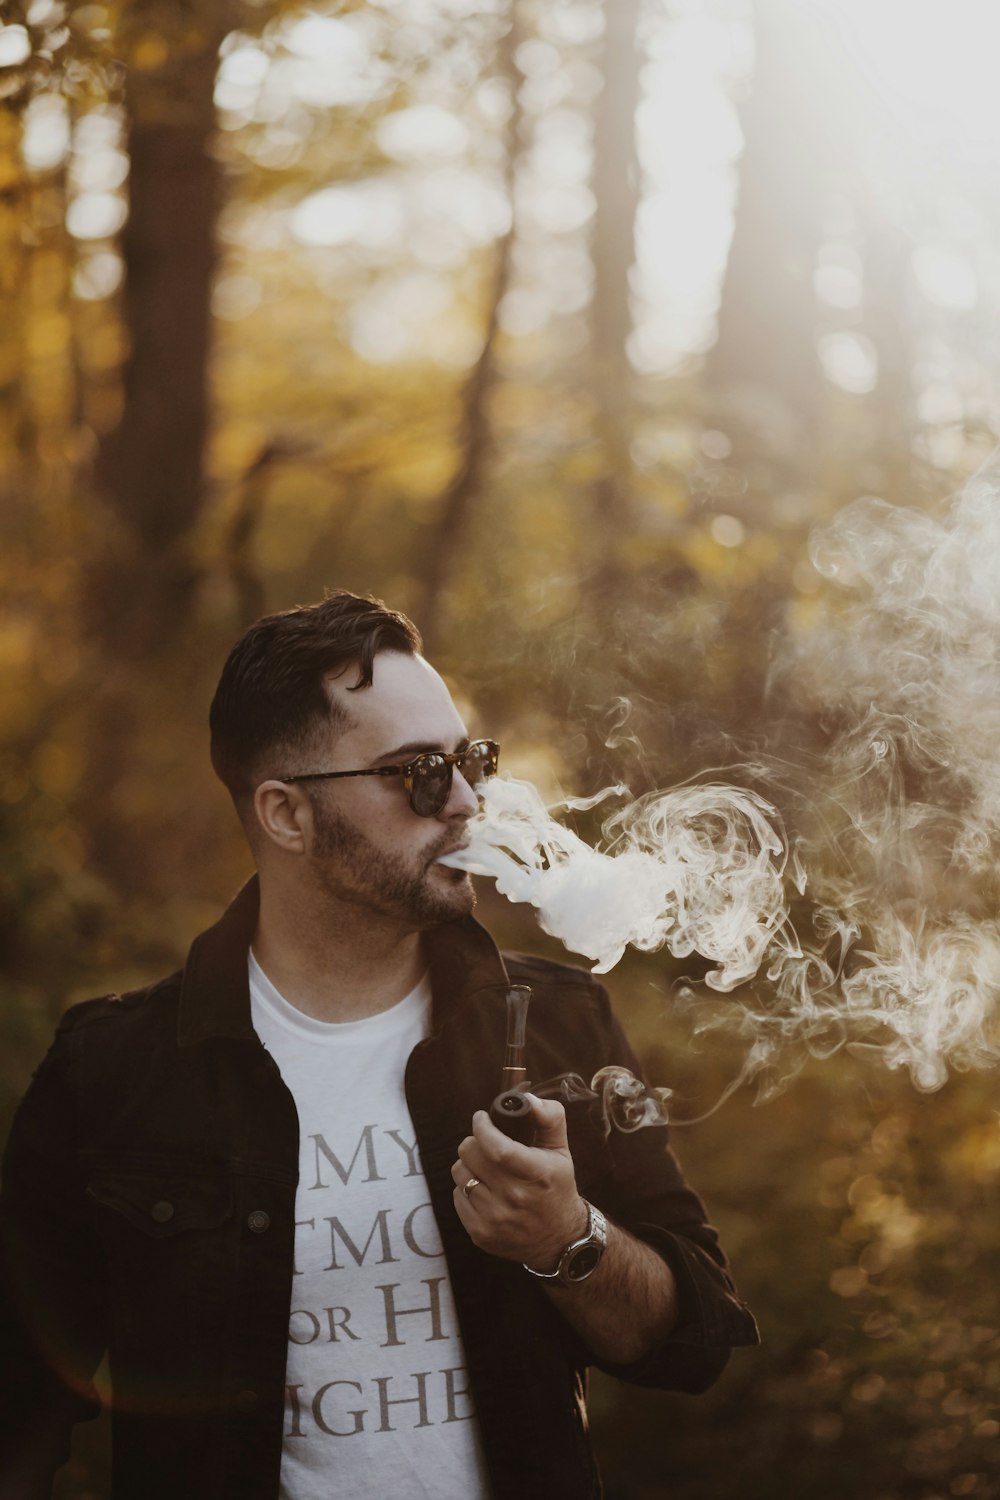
246 1400
162 1212
258 1221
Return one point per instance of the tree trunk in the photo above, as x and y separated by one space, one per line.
142 576
616 190
455 513
764 366
151 467
17 432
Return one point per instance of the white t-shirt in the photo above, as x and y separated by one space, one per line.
377 1398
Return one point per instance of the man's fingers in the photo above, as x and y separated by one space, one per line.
510 1156
550 1124
470 1164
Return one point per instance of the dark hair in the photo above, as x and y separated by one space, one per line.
271 698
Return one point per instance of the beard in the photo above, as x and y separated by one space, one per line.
350 868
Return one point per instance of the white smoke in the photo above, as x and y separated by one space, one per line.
904 670
624 1102
898 816
698 868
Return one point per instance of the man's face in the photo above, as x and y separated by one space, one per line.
369 848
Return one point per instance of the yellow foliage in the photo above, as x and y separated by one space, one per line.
235 445
12 261
103 349
705 555
11 362
583 466
48 335
418 475
55 770
803 613
195 39
11 170
48 275
149 53
976 1153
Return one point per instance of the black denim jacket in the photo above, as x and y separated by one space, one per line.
148 1212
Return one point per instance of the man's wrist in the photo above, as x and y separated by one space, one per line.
546 1262
580 1258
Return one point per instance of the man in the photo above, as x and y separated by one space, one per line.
267 1186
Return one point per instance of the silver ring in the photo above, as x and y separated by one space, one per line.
473 1182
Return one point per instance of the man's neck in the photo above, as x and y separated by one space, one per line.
333 960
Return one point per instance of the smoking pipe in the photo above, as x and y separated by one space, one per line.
510 1110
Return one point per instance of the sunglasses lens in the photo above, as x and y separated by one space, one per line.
431 785
480 762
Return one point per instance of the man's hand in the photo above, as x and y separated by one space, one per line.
526 1206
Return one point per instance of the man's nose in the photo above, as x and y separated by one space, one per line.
462 801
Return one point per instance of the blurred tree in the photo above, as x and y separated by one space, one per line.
447 533
763 369
151 464
14 191
616 197
887 321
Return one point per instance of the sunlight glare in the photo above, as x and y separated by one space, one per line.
916 116
15 46
850 361
689 139
45 140
96 216
421 132
946 278
928 58
364 213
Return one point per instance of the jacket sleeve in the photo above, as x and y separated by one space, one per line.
649 1197
52 1286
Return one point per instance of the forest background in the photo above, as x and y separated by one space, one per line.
562 325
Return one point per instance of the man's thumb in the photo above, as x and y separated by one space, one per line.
550 1124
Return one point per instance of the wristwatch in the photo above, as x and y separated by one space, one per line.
581 1258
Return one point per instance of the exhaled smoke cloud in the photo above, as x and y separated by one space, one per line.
698 868
898 820
904 672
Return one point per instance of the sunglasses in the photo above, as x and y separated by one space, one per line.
427 778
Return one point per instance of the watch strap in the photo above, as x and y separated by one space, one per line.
593 1240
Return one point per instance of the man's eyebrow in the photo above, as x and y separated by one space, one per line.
421 747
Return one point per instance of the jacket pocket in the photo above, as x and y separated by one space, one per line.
168 1234
161 1204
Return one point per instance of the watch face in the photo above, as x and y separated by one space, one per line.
584 1261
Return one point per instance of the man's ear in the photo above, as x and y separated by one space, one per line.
284 815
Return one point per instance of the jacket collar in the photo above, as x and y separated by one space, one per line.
215 991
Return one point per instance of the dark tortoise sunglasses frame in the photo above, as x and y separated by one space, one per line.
427 777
